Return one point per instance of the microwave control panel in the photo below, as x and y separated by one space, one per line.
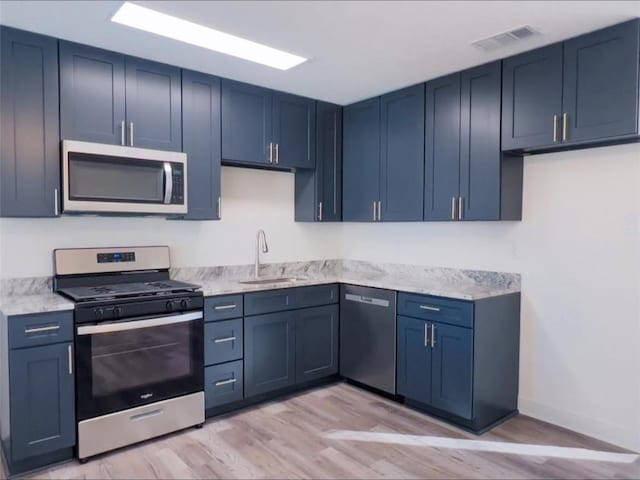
177 195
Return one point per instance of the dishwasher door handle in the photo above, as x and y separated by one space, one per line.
379 302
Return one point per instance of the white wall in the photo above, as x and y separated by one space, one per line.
252 199
578 250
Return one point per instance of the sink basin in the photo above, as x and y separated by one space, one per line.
261 281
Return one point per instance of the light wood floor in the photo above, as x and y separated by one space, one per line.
286 439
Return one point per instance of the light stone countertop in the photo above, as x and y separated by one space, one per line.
33 295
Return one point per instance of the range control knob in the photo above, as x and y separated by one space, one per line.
169 306
98 312
184 303
117 311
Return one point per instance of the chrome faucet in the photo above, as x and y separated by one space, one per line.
265 249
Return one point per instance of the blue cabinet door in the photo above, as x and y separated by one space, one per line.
29 129
480 155
442 148
92 94
414 359
402 155
42 400
452 379
317 333
600 96
361 161
269 352
294 131
246 123
201 143
531 96
154 105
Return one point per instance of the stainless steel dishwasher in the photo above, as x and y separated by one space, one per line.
368 336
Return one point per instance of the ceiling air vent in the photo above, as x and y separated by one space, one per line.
506 38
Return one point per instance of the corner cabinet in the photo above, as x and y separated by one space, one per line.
318 192
467 177
107 97
579 92
201 143
29 128
268 128
38 389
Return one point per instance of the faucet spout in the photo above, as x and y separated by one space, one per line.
265 249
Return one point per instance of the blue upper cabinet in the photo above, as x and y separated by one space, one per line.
29 128
294 131
442 148
402 155
318 192
106 97
361 161
246 124
92 94
600 87
579 92
201 143
154 105
532 99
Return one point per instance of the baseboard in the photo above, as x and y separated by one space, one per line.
628 438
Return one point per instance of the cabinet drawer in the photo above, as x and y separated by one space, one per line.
454 312
40 329
269 301
223 341
223 307
316 296
223 384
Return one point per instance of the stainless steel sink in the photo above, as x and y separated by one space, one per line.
261 281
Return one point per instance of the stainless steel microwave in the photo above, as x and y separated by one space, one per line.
99 178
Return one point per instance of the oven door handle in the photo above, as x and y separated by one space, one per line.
151 322
168 182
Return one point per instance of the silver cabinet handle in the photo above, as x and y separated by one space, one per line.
565 127
277 153
224 340
433 335
379 210
70 359
270 152
453 208
460 204
426 334
131 134
142 416
56 210
374 210
225 307
226 382
219 207
555 128
320 211
122 132
431 309
52 328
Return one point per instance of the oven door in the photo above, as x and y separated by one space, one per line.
120 365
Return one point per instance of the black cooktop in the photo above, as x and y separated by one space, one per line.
123 290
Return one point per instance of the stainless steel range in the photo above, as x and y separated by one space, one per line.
139 345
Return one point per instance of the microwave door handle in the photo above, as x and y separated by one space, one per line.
168 182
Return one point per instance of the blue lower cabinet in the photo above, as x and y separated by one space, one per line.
452 366
223 341
269 352
42 400
317 336
223 384
414 359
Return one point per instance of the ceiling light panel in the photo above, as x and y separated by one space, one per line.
152 21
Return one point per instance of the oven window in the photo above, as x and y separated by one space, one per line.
131 359
114 179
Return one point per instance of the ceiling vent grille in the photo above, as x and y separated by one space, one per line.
506 38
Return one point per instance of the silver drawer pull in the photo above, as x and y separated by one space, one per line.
431 309
226 339
52 328
225 307
226 382
142 416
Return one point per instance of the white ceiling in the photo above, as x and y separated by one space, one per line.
358 49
